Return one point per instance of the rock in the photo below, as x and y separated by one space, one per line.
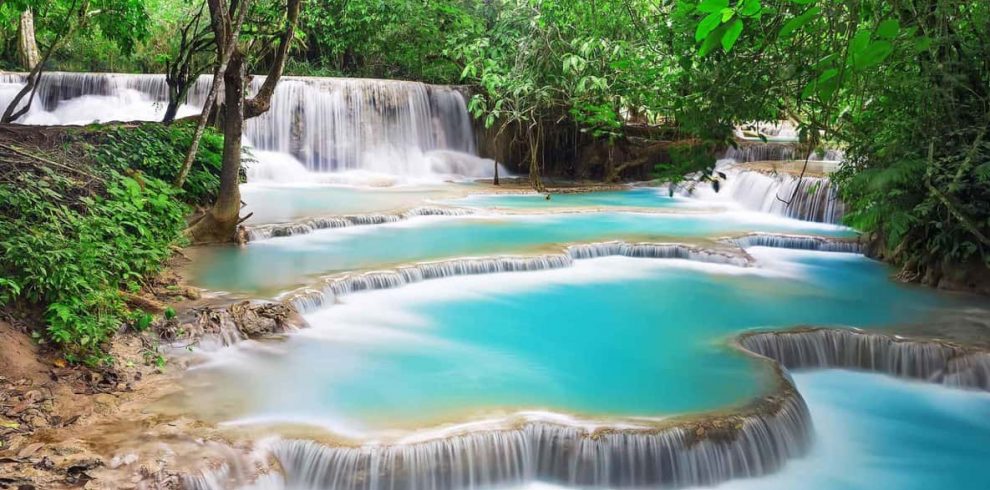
45 464
30 449
104 404
191 293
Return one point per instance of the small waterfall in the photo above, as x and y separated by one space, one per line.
931 360
777 151
702 450
656 251
309 299
329 124
262 232
799 242
809 198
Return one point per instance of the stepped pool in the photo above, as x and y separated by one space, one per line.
281 263
607 337
567 359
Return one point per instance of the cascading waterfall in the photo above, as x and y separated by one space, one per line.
808 198
930 360
671 457
396 127
328 124
798 242
310 225
309 299
771 151
704 450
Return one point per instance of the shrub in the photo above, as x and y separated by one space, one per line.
74 236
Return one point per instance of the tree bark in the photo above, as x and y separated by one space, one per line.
219 224
27 47
226 36
535 137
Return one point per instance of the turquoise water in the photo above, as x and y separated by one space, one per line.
638 198
612 337
281 203
877 432
268 266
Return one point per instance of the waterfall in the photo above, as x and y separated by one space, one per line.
799 242
931 360
777 151
328 124
753 440
311 299
808 198
262 232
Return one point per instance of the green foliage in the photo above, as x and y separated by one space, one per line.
103 29
154 150
903 86
688 158
71 242
393 39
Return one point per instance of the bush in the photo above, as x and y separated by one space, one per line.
72 241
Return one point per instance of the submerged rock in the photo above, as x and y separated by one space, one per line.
234 322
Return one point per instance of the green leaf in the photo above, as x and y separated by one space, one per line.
710 42
707 25
727 14
710 6
873 55
793 25
750 8
732 34
888 29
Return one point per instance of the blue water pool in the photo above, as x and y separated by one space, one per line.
614 337
268 266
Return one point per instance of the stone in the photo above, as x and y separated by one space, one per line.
104 404
30 449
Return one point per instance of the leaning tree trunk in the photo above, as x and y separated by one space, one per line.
27 47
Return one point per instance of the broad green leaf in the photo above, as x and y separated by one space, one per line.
710 6
859 42
732 34
873 55
750 8
710 42
707 25
888 29
791 26
727 14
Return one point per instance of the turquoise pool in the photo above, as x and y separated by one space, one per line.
269 266
614 337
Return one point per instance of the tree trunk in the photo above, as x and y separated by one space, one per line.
219 224
27 48
495 181
534 158
226 37
174 99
